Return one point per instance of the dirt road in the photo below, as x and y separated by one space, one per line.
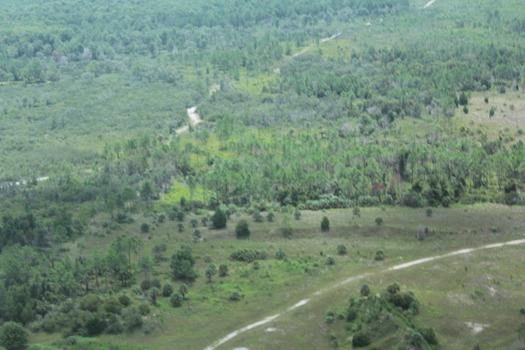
359 277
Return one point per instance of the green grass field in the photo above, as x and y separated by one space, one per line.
453 291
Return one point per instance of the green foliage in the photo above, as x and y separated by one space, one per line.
380 256
286 226
360 340
219 219
167 290
341 249
330 260
223 270
379 221
211 271
325 224
280 255
144 228
13 336
248 255
182 263
242 230
176 300
365 290
429 212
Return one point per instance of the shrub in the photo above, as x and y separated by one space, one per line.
219 219
257 216
330 260
144 309
360 340
223 270
90 303
429 335
429 212
194 222
379 221
379 255
356 212
270 216
95 326
365 290
167 290
176 300
132 318
144 228
280 255
341 249
325 224
13 336
113 306
235 296
124 300
297 214
242 230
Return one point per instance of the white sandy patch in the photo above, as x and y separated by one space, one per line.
476 327
430 3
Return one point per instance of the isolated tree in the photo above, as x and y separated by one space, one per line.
219 219
176 300
13 336
167 290
242 230
325 224
182 264
210 272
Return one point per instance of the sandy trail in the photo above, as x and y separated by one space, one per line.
195 120
430 3
358 277
323 40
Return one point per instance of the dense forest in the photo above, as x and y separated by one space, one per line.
305 105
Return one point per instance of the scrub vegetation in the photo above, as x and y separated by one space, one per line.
172 172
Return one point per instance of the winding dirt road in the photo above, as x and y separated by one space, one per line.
359 277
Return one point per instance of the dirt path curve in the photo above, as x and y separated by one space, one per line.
195 120
359 277
430 3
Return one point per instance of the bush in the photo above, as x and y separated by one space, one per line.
270 216
257 216
330 260
360 340
144 309
144 228
132 318
356 212
325 224
297 214
176 300
242 230
219 219
249 255
124 300
379 255
95 326
429 212
167 290
379 221
235 296
341 249
280 255
90 303
13 336
223 270
365 290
